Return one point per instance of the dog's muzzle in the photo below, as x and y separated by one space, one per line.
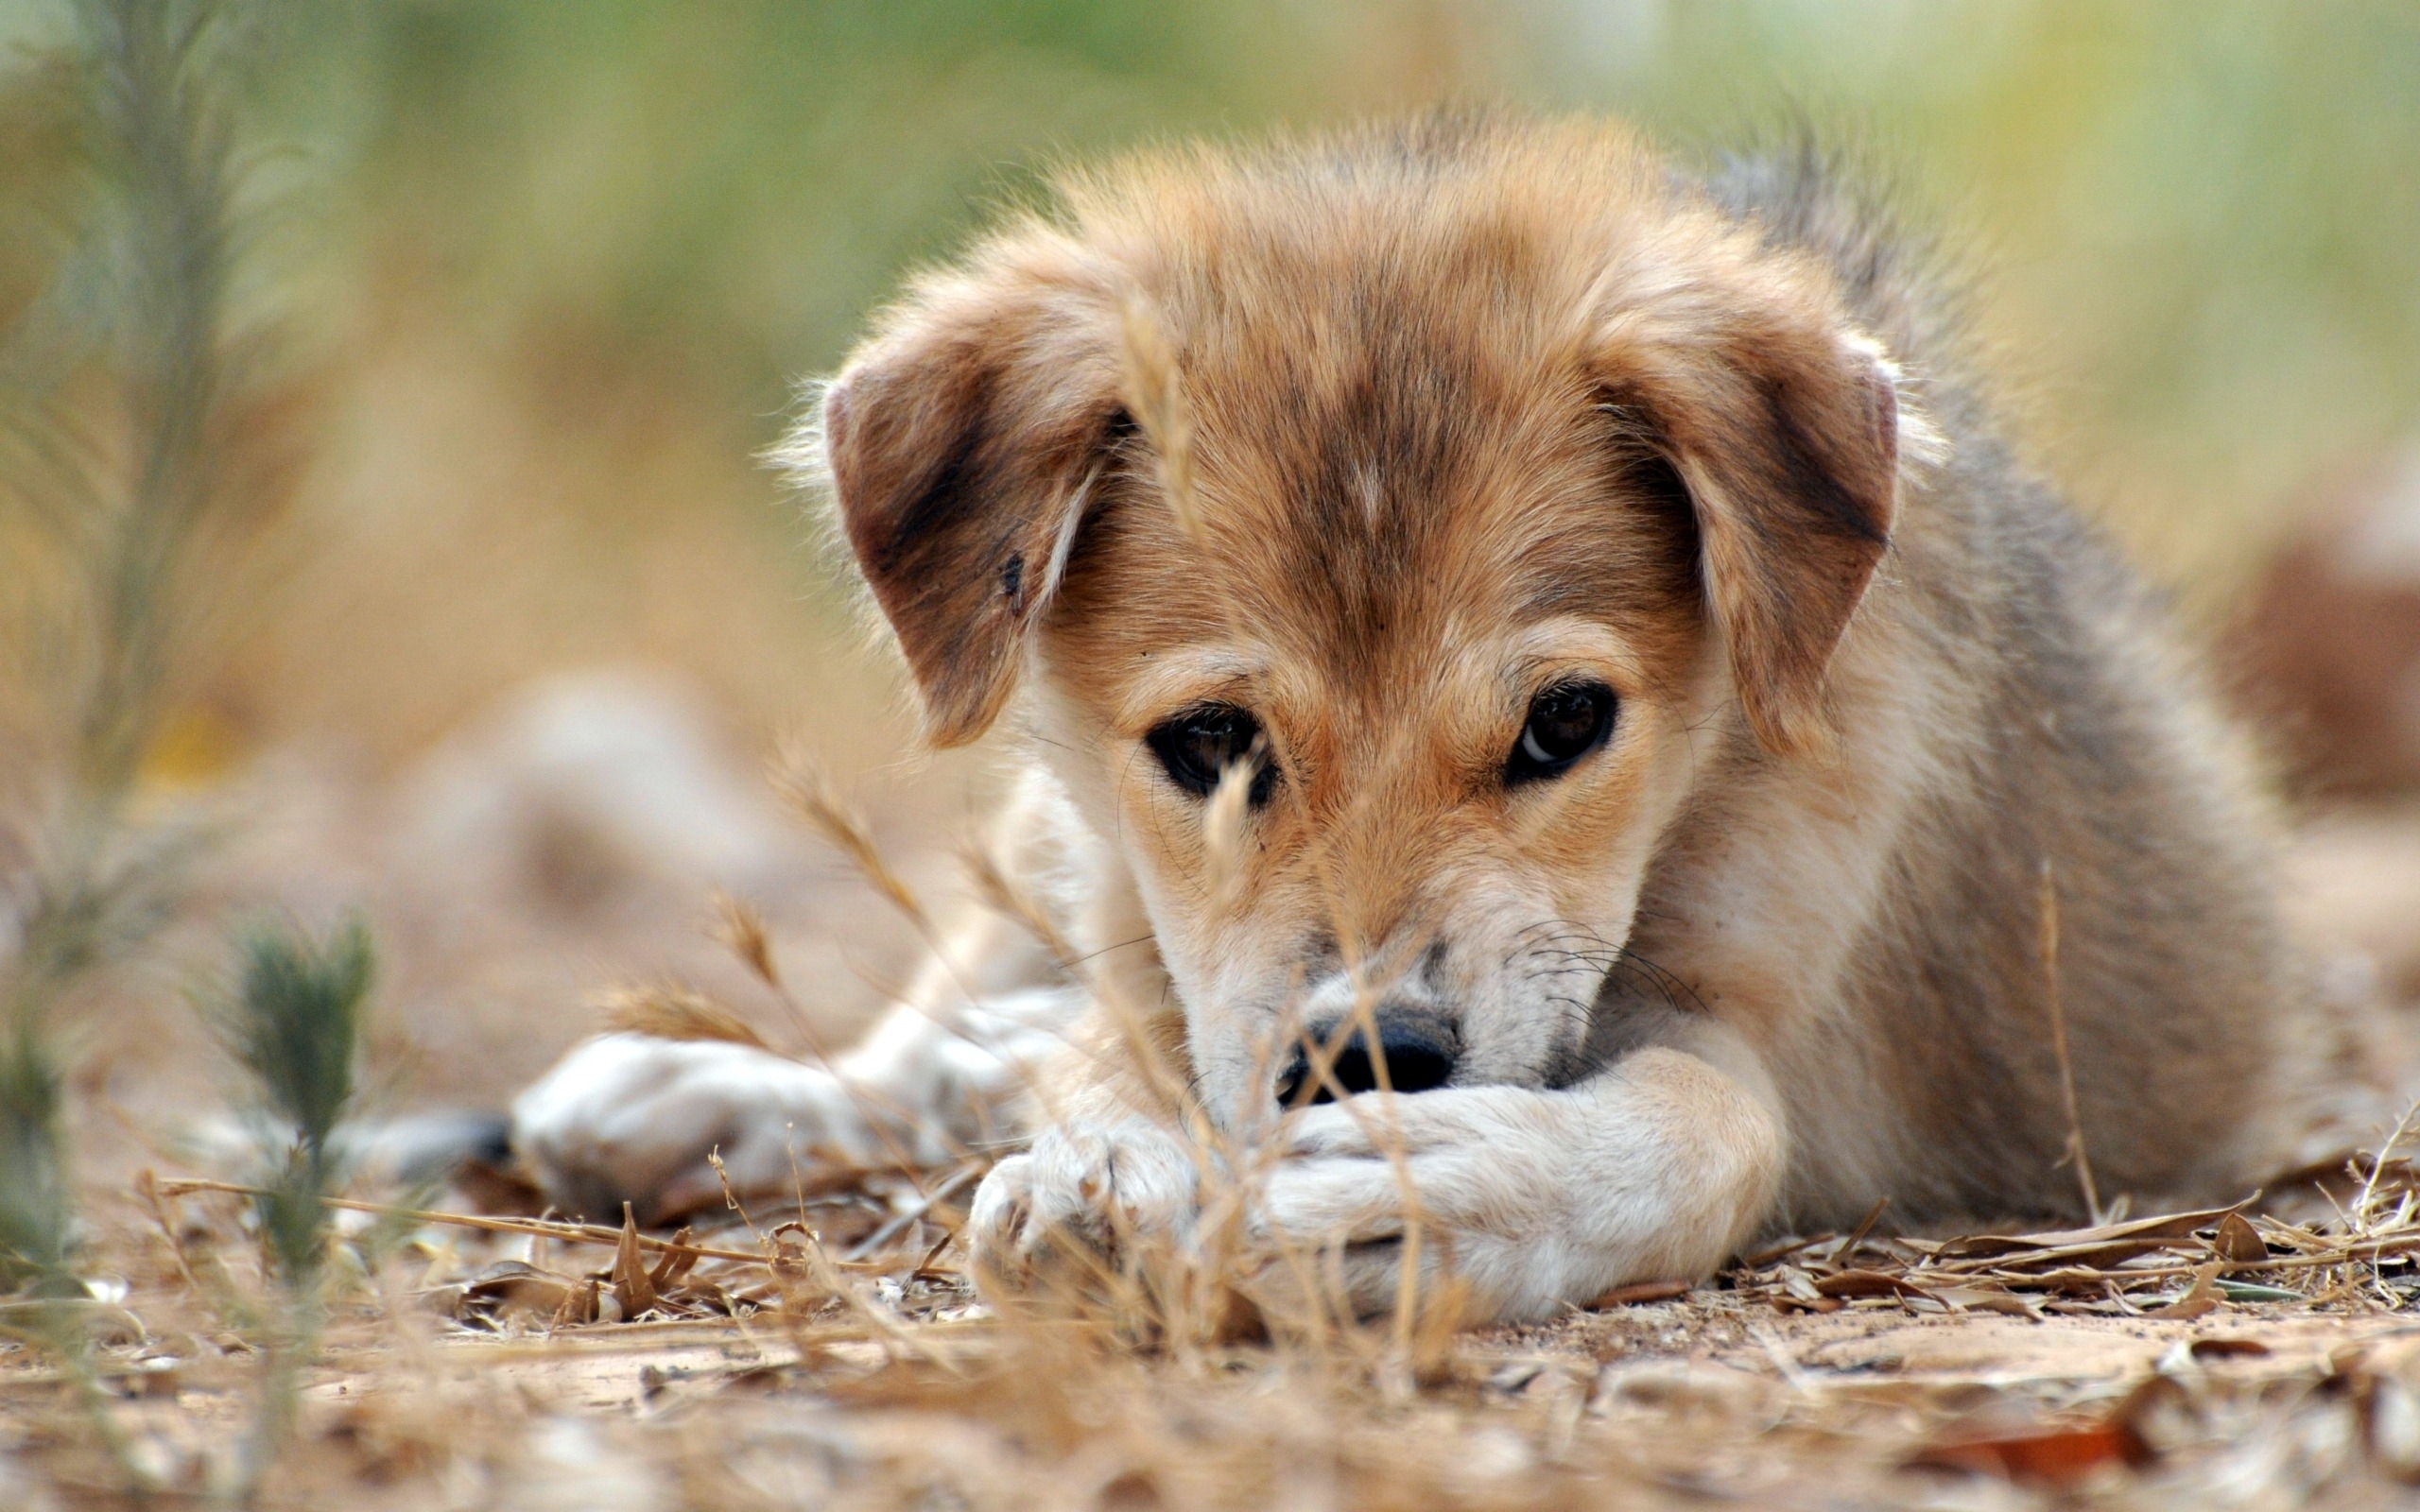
1417 1059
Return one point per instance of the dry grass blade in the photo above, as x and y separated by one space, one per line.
1150 1058
1001 894
2366 1213
1848 1246
2076 1152
573 1233
800 1256
1181 1295
1152 387
1222 828
670 1012
2202 1296
741 929
807 789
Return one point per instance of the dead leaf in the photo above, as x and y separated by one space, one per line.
2255 1292
1867 1283
507 1287
791 1262
2104 1245
1640 1292
675 1267
1820 1304
2227 1348
2056 1457
583 1303
2238 1242
634 1291
1986 1299
2201 1297
2085 1280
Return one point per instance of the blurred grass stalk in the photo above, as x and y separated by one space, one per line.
122 482
125 515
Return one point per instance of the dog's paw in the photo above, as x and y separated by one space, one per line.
1466 1157
1089 1191
632 1118
1535 1199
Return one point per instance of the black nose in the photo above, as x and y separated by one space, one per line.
1416 1061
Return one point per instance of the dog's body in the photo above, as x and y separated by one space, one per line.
1468 582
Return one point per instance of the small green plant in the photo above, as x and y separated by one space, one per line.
293 1022
291 1018
34 1213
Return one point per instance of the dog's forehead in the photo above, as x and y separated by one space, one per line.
1407 485
1354 569
1397 437
1382 360
1365 443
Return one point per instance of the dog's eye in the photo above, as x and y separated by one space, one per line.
1198 745
1566 722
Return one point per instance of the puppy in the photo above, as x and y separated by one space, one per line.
1548 702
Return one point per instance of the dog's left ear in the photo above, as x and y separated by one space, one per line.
1783 423
958 442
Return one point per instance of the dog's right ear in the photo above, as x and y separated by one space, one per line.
960 443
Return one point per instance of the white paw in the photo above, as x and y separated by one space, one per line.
1094 1189
631 1118
1535 1199
1358 1176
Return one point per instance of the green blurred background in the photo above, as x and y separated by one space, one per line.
550 269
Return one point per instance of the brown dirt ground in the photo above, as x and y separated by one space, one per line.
1720 1396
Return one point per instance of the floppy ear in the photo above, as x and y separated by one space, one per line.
960 442
1783 424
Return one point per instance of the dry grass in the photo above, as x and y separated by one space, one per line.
2203 1358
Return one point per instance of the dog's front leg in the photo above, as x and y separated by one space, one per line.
635 1118
1656 1168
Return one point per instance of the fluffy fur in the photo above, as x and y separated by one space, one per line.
1375 436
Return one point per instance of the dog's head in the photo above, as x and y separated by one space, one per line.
1387 535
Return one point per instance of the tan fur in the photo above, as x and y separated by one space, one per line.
1448 412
